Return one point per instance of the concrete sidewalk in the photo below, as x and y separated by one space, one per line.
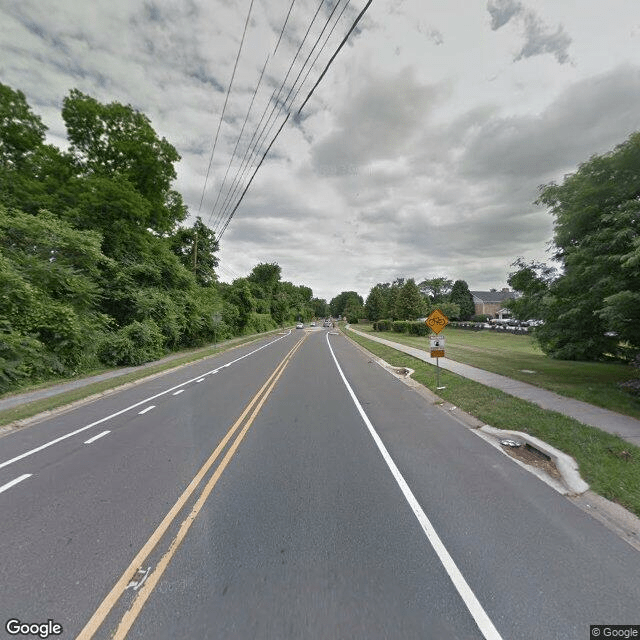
626 427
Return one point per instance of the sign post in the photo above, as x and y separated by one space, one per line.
437 321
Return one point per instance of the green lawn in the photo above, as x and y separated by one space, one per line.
610 465
515 356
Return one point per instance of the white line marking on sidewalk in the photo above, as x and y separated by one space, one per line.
473 605
178 392
24 476
133 406
140 413
100 435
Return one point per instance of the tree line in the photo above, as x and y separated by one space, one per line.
96 265
403 299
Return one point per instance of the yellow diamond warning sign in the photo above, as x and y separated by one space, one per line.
437 321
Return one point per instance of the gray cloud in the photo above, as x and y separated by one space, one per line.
501 11
379 121
588 117
539 38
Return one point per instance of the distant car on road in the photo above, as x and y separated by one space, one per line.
313 324
299 325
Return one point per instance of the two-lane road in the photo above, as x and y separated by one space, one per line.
300 492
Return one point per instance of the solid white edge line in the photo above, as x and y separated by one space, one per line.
24 476
178 392
90 440
141 413
472 603
133 406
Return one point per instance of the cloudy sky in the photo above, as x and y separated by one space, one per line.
420 153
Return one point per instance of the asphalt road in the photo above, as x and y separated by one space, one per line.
299 492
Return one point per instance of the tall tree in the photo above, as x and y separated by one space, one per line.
461 296
196 247
597 236
114 140
340 302
375 308
409 303
436 289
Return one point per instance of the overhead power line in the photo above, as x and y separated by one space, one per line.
233 155
313 64
253 176
283 27
235 66
263 135
353 26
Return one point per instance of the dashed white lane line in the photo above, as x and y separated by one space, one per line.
100 435
472 603
24 476
178 392
152 406
6 463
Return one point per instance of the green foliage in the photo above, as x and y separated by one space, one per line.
597 235
94 268
261 322
436 289
461 296
21 131
340 302
320 308
196 247
134 344
115 140
383 325
375 307
409 303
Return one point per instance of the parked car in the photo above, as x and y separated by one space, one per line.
299 325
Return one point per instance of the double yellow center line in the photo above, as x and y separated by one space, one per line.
245 421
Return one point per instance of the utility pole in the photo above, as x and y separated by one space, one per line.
195 254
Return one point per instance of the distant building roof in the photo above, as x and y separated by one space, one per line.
493 296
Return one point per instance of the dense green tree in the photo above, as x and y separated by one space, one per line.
114 140
375 308
409 303
21 131
196 247
320 308
239 295
266 276
597 236
340 302
532 281
436 289
461 296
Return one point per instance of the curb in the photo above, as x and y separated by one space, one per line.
565 464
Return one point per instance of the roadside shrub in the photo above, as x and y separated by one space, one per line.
24 358
401 326
479 318
383 325
135 344
418 329
260 322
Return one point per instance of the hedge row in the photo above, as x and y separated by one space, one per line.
402 326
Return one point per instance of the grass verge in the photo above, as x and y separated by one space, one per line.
518 357
30 409
609 464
